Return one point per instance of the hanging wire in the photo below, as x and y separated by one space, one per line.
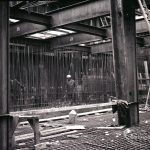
43 71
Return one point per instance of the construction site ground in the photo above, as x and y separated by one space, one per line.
93 130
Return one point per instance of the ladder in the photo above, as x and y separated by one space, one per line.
104 21
145 12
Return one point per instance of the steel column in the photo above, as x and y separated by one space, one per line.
124 51
4 43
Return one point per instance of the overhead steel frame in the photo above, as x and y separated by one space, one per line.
63 17
22 29
68 17
27 28
98 9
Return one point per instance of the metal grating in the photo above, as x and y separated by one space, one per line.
136 138
109 140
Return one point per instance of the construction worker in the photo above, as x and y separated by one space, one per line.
70 89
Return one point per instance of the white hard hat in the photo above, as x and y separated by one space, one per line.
68 76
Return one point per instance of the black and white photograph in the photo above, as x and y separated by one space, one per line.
75 75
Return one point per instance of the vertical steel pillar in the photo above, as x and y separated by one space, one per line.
124 52
4 45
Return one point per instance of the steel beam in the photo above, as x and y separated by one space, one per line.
66 40
124 52
20 4
102 48
32 17
79 12
147 40
107 47
68 15
61 17
38 43
98 48
87 29
79 48
73 39
4 46
23 29
147 2
143 52
141 26
140 41
64 16
79 38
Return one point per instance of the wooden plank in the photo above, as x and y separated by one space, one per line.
41 146
45 134
80 108
75 127
96 111
111 128
79 114
57 135
53 131
24 137
68 40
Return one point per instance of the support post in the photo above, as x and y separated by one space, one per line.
124 54
35 126
146 72
4 46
